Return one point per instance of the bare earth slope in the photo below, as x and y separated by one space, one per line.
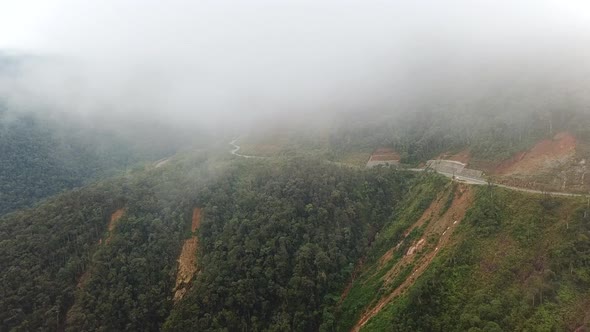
436 236
546 154
187 262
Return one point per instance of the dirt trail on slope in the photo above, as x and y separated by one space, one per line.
436 236
187 261
115 216
113 222
432 211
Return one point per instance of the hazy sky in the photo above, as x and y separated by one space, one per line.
220 60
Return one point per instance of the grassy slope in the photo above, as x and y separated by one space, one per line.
370 281
521 262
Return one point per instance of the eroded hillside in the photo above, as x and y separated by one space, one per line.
187 261
296 244
512 261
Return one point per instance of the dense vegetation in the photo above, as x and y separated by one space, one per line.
423 134
45 251
129 285
278 242
283 239
42 156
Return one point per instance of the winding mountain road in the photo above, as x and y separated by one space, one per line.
237 148
461 179
480 182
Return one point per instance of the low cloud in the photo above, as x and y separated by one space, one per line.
230 63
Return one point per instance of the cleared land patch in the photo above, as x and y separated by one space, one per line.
383 156
115 216
546 154
557 164
187 261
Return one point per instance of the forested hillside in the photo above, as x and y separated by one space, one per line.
61 257
278 241
43 155
291 242
305 166
279 244
424 132
44 251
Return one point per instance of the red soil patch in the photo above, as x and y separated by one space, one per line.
187 261
112 223
463 156
387 256
543 155
114 218
433 210
196 223
383 154
440 228
187 266
508 164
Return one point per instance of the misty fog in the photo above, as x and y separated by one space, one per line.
238 64
294 165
